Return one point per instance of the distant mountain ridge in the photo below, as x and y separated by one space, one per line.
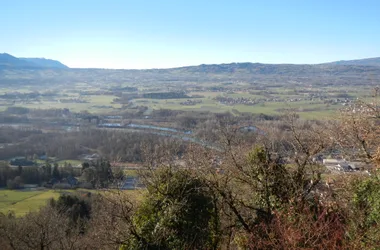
8 61
231 73
375 61
256 69
46 63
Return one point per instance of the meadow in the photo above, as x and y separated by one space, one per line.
306 109
21 202
24 201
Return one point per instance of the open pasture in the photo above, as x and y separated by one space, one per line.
24 201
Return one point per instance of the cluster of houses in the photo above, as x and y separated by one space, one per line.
190 102
344 102
90 157
234 101
342 165
72 100
251 101
65 183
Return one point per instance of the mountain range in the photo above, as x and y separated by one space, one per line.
8 61
375 61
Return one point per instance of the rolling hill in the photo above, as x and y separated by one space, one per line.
375 61
357 72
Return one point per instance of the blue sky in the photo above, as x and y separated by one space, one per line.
170 33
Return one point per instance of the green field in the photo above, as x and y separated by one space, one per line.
82 96
72 162
60 162
22 202
306 109
133 173
94 104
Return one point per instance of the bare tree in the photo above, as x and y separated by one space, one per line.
46 229
358 131
112 224
252 180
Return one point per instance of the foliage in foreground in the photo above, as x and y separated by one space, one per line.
269 197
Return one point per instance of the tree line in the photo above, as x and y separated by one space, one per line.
112 145
94 174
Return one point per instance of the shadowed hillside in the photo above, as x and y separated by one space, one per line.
46 63
8 61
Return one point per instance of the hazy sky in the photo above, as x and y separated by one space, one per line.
163 33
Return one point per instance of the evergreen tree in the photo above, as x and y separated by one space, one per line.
56 174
